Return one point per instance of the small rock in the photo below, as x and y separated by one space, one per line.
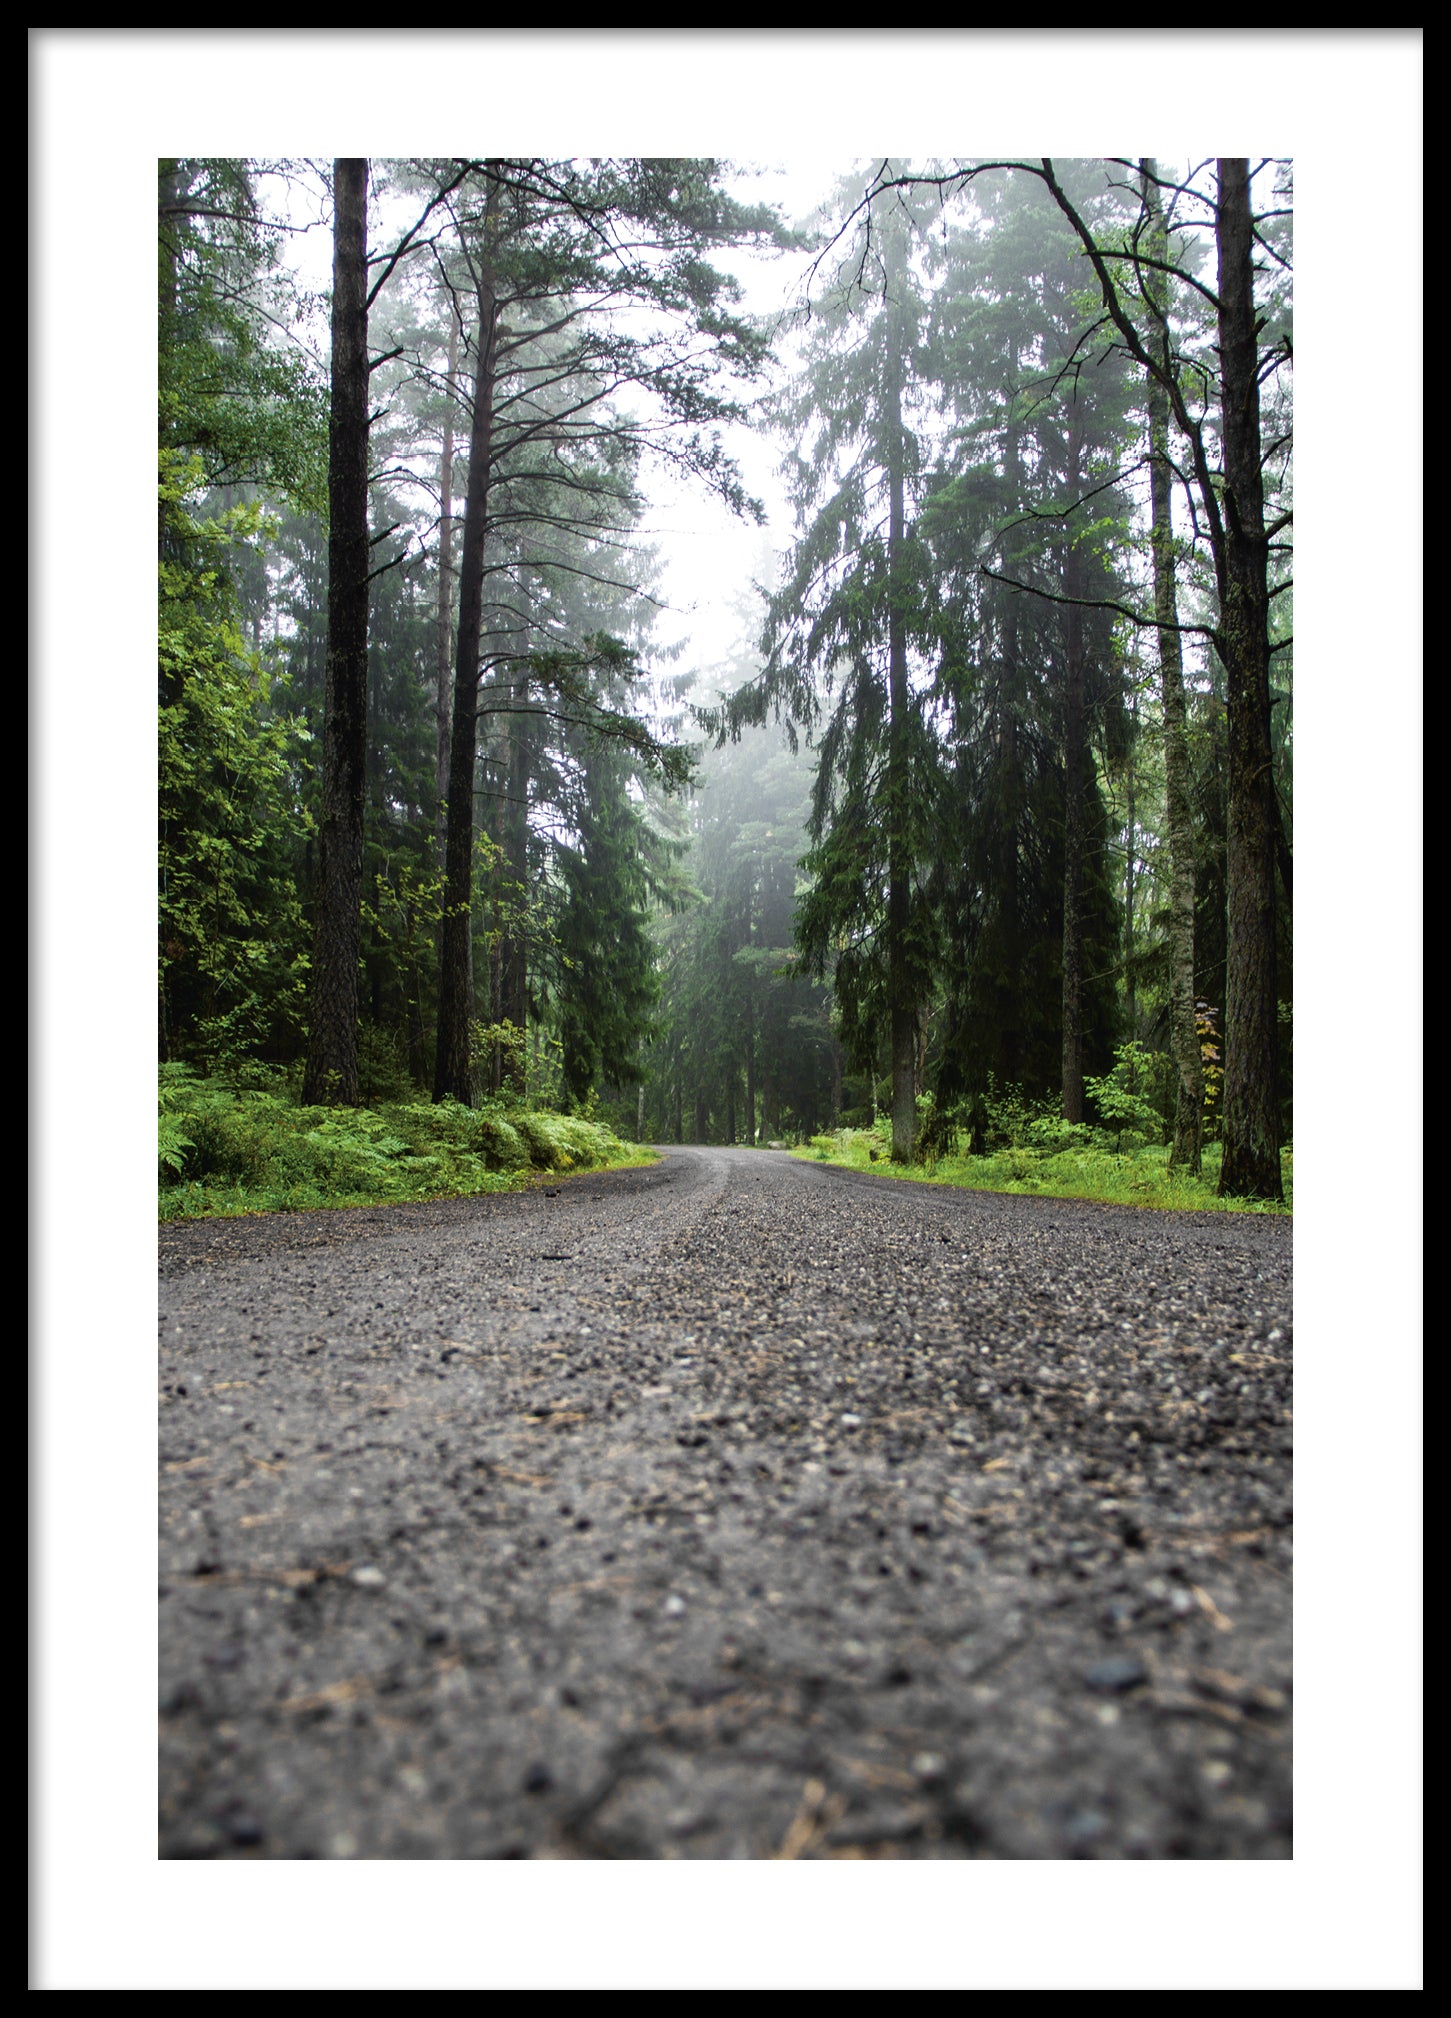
851 1422
367 1578
1118 1673
538 1779
930 1769
1083 1827
674 1606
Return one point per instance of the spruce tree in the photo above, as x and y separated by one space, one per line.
841 633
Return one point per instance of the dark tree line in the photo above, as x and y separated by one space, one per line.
961 608
514 273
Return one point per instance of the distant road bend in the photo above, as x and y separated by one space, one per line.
740 1507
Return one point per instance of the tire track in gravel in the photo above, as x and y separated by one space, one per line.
738 1507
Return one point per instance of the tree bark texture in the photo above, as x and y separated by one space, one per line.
443 708
1008 959
514 870
1074 762
1251 1166
1184 1038
899 784
1233 509
1131 1004
453 1077
332 1056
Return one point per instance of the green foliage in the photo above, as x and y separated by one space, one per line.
507 1039
607 984
1078 1170
253 411
232 943
1135 1097
227 1149
234 410
1211 1052
937 1131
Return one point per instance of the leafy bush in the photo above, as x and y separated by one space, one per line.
937 1130
1134 1099
225 1148
1053 1134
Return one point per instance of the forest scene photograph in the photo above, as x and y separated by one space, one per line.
935 865
724 1012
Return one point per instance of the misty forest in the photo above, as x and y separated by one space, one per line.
953 838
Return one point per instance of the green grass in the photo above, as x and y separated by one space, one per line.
1083 1170
225 1150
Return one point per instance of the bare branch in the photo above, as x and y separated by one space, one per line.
1094 603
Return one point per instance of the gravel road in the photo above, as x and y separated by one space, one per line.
739 1507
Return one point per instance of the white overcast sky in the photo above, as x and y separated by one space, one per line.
1347 105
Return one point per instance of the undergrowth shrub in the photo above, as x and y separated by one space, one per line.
1055 1159
1134 1099
225 1147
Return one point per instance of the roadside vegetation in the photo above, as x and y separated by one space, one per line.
248 1144
1009 1143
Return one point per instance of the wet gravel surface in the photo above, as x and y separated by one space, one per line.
736 1508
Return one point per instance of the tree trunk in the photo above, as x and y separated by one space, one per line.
1251 1167
445 592
899 859
1131 1000
514 870
1074 763
1009 955
1184 1038
452 1076
332 1056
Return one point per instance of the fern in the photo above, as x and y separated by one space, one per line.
171 1143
